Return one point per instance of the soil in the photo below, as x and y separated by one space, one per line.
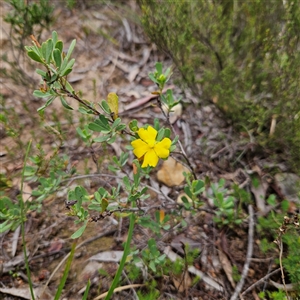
113 55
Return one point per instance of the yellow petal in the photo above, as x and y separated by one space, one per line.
150 159
162 148
140 147
147 134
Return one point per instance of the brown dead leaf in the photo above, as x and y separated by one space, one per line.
171 172
133 73
24 293
183 283
56 245
226 265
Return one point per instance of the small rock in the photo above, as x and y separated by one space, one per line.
171 172
289 185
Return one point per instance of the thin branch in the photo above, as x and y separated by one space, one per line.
183 153
251 287
249 255
117 177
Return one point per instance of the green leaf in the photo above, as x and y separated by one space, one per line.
67 72
116 123
64 64
160 134
40 94
159 68
68 68
105 107
188 192
69 87
60 46
101 139
104 204
168 72
100 125
71 48
175 140
65 274
49 101
54 37
57 57
151 76
41 72
64 103
34 56
86 293
133 125
97 127
49 49
152 266
5 226
186 202
127 183
167 133
198 186
44 50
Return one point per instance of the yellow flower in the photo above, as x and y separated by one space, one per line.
149 148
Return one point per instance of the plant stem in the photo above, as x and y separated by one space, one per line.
123 260
66 272
23 214
183 153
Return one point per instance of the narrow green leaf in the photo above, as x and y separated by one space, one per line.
69 87
101 139
54 37
66 72
49 101
167 133
78 233
188 192
66 273
34 56
64 64
28 48
44 50
49 49
198 185
71 48
151 76
57 57
105 107
64 103
40 94
60 46
186 202
160 134
159 67
86 292
41 72
68 68
5 226
104 204
112 139
116 123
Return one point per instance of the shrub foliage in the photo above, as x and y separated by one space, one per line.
243 56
